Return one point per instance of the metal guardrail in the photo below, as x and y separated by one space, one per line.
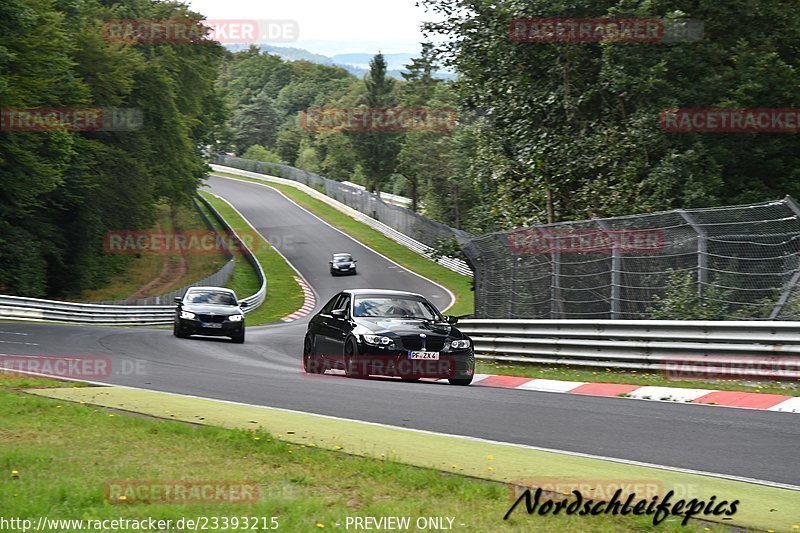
20 308
456 265
254 301
717 349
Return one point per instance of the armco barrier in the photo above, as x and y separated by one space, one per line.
726 348
19 308
456 265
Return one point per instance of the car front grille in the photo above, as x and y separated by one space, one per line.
212 319
414 343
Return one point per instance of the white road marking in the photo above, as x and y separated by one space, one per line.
289 182
19 342
464 437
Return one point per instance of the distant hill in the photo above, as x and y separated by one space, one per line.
355 64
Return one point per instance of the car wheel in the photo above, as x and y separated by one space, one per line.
238 339
312 364
460 381
176 330
351 369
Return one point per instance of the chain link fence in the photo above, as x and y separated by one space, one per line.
404 220
739 262
722 263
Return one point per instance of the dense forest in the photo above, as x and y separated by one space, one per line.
544 131
62 189
547 132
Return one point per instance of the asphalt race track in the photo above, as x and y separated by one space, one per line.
267 371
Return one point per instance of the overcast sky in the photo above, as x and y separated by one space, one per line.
328 26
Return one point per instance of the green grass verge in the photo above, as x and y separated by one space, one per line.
147 267
63 454
460 286
633 377
284 295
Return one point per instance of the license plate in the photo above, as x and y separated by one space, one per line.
432 356
212 326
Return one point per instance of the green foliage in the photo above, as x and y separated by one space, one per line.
575 126
62 190
377 150
259 153
683 301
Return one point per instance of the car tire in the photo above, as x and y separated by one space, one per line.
309 355
176 330
238 339
351 369
462 382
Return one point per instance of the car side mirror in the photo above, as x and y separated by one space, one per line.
177 300
452 320
339 313
355 260
243 304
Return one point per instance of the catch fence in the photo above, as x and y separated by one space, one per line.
736 262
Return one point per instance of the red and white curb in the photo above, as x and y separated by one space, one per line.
746 400
309 303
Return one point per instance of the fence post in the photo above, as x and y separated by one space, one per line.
781 303
702 250
616 270
555 284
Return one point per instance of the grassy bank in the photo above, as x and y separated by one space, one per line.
154 274
284 295
460 286
56 458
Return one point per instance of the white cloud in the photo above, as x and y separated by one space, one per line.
328 26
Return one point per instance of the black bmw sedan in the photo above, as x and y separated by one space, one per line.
342 264
209 311
390 333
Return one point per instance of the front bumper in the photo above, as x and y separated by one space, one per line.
336 271
226 329
382 362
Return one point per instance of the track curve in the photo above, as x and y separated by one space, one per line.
267 371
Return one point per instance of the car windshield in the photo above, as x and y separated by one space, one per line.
210 297
342 258
395 306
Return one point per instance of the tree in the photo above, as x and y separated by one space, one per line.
575 126
256 122
377 150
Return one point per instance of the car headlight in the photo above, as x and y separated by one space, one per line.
188 314
236 318
378 340
460 345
